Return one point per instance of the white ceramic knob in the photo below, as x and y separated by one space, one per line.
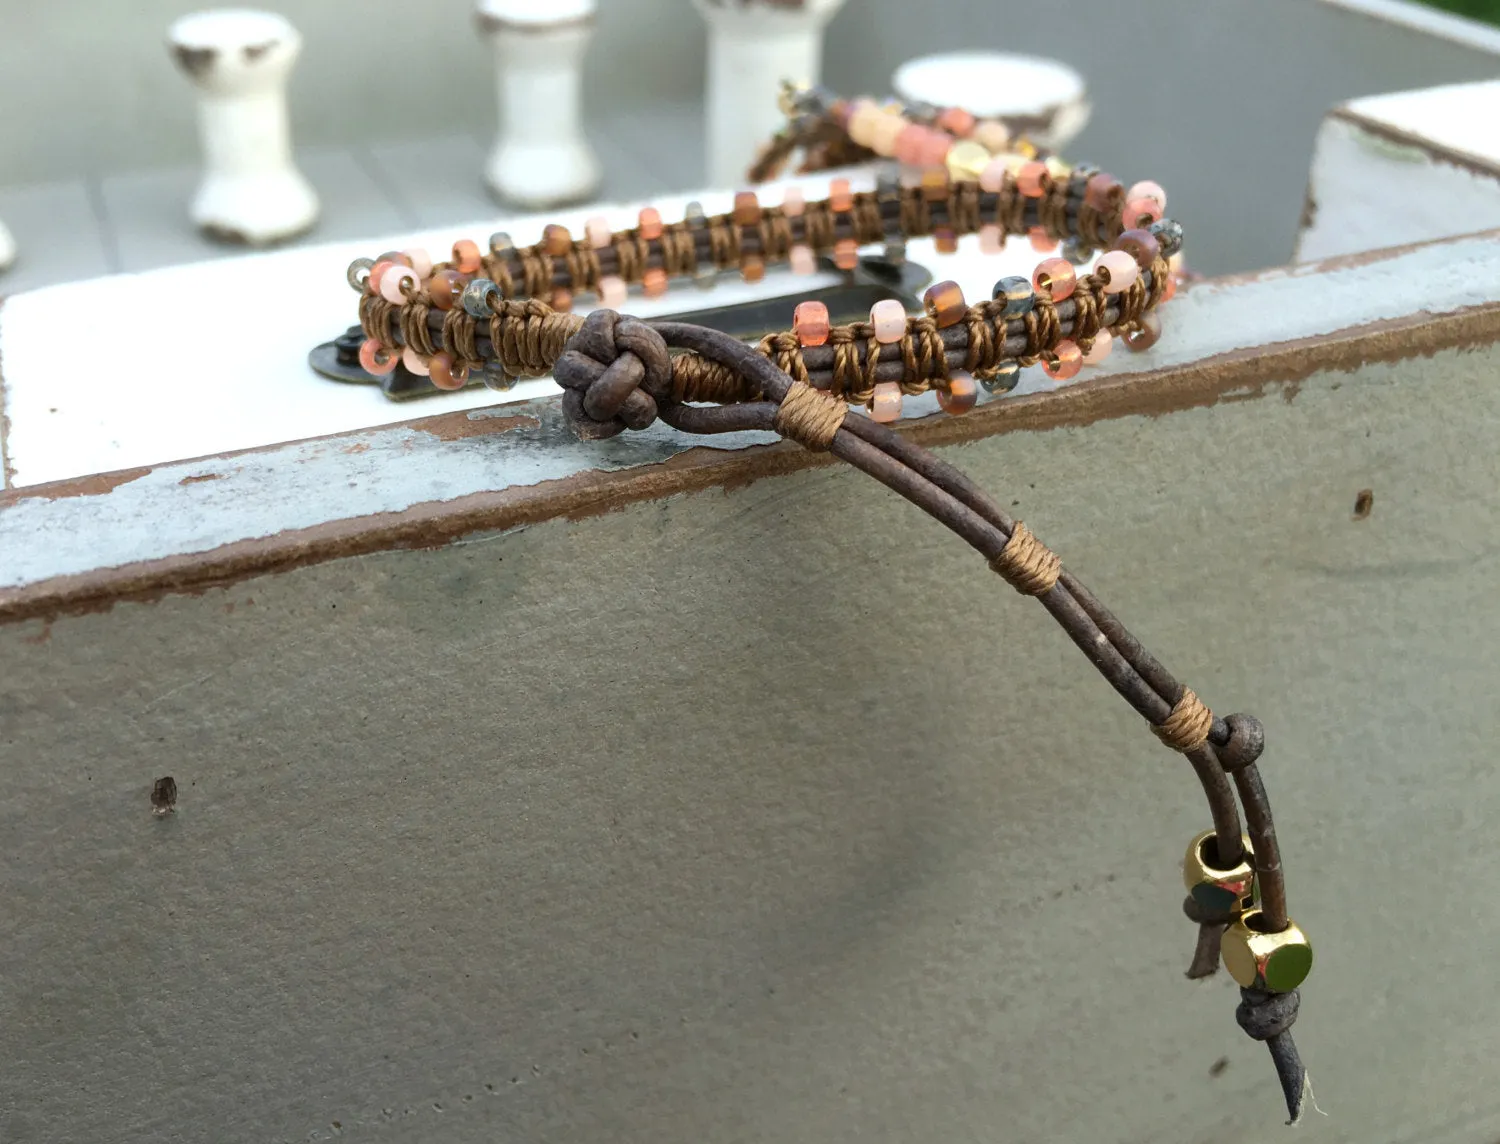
753 45
7 249
1047 98
239 61
541 157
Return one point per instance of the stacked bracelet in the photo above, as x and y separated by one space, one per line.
504 311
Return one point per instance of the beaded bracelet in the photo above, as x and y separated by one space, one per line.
503 312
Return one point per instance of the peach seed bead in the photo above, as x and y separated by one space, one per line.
556 240
376 359
377 272
1041 241
421 262
991 239
1104 341
960 395
649 224
1065 362
1140 213
1118 270
810 323
1146 189
1031 180
888 317
444 375
598 231
1055 278
945 304
466 256
846 254
935 147
746 208
993 134
561 300
840 198
992 178
862 117
612 292
793 204
885 405
394 281
654 282
445 288
752 268
956 121
802 259
908 147
413 362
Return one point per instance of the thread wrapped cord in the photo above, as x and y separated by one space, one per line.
619 373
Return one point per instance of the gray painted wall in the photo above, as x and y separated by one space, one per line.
1217 98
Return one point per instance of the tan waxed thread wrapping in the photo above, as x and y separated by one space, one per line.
1026 564
1188 725
809 416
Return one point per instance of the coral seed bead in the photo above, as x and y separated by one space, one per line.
1031 179
443 372
1147 189
1055 278
1140 213
466 256
376 359
810 323
1065 362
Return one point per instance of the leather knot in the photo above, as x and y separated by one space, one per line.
1247 739
613 371
1265 1015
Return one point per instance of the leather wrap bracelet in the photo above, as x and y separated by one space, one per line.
504 311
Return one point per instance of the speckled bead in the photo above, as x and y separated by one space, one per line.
358 274
1076 252
494 377
1104 341
376 359
444 374
960 395
466 256
648 225
885 405
1017 294
445 288
1055 278
888 317
413 362
1141 245
396 281
810 323
1117 271
556 240
1168 232
1006 378
945 304
476 298
501 244
1065 362
1145 333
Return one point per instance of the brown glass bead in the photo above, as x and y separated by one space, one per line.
562 300
945 240
654 282
466 256
1140 245
752 268
1101 191
960 395
945 304
746 209
1145 333
934 186
846 254
446 287
556 240
444 374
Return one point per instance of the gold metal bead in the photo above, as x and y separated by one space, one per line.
966 159
1278 962
1058 169
1026 148
1216 888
